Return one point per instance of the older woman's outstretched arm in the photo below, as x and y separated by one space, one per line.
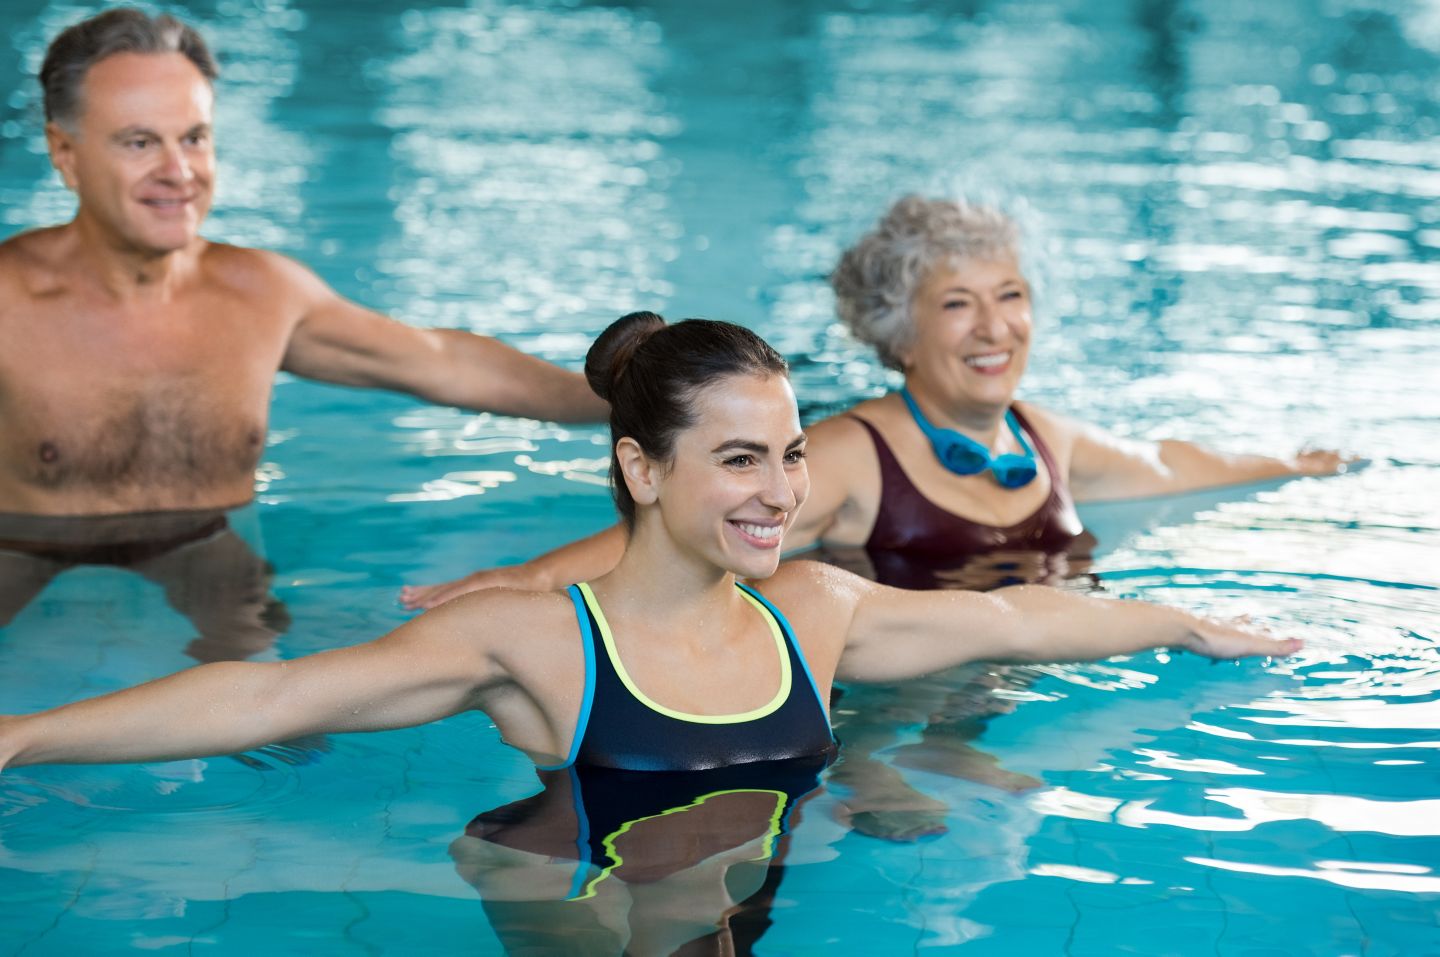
1105 467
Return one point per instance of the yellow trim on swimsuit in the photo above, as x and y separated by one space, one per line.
780 696
772 831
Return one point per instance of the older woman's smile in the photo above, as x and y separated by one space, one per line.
991 363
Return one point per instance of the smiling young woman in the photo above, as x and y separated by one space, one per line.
709 471
951 475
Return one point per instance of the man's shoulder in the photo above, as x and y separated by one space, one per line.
33 261
253 269
33 247
229 257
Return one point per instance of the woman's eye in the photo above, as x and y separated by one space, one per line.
794 456
956 303
740 461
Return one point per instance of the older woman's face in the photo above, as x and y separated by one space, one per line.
972 333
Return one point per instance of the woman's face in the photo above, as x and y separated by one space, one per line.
972 333
738 475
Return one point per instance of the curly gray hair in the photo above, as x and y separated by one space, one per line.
877 278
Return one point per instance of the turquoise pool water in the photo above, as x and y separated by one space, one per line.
1237 214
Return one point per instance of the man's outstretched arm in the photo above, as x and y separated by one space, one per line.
341 342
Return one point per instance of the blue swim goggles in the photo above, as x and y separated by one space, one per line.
964 456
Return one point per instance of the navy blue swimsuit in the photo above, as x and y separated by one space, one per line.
651 788
620 728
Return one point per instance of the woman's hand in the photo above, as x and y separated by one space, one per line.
422 597
1322 462
580 561
1218 639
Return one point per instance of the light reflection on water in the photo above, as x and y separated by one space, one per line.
1237 239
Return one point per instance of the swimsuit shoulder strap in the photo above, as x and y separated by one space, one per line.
893 479
796 653
1042 450
581 597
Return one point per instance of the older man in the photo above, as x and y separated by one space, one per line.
137 358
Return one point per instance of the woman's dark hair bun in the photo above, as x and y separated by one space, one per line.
610 355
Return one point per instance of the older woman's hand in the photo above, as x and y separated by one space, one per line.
424 597
1323 462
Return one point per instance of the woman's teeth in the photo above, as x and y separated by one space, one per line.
988 362
759 531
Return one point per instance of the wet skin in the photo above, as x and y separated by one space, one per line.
137 358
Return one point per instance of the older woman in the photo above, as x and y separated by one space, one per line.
669 663
951 469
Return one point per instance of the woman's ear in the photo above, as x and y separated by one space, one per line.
639 472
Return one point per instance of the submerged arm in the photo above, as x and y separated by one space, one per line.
420 672
897 634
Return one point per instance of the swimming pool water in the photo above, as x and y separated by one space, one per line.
1237 229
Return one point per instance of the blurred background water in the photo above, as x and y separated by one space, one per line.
1233 216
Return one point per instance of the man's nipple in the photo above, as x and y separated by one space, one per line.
48 452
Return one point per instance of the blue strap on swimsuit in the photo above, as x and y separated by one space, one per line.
620 728
637 770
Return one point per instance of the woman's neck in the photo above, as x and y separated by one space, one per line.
983 423
657 577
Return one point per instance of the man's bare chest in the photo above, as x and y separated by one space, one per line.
173 401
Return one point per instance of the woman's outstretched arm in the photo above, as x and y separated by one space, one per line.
895 634
425 670
1105 467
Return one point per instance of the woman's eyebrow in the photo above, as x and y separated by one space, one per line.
759 448
744 444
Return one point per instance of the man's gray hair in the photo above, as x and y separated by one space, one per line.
119 30
877 278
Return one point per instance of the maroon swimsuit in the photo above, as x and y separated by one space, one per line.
913 537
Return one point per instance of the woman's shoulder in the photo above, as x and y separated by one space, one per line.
819 600
804 581
878 410
846 423
532 636
1059 432
847 430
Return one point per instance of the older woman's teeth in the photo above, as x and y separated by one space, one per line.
759 531
988 362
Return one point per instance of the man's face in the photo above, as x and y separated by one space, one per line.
140 157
